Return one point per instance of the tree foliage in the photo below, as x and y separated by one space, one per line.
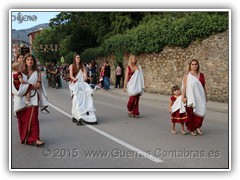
44 45
98 34
156 31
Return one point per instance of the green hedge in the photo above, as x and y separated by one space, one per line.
157 31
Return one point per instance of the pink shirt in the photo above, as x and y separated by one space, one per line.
119 71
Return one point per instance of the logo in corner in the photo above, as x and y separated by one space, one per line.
20 18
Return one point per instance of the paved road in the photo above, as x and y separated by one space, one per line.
118 140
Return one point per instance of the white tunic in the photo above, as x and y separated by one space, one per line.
135 85
178 105
19 95
82 101
195 95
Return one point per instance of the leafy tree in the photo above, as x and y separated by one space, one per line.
82 38
44 44
102 25
95 34
158 30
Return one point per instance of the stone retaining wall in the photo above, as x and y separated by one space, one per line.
165 69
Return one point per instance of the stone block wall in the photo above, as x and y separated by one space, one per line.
165 69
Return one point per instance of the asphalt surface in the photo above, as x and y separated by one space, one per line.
118 141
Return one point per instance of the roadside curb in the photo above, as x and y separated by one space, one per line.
211 105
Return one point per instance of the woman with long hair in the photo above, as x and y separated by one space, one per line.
194 95
134 84
28 123
81 93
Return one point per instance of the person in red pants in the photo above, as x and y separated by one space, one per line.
134 85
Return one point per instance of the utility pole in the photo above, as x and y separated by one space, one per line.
18 44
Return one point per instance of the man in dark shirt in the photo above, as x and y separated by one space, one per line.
107 74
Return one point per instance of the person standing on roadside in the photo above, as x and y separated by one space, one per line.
118 75
107 74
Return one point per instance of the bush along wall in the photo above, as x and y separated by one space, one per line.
155 32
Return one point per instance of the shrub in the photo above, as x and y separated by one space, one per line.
157 31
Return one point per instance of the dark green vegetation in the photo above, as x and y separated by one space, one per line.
99 34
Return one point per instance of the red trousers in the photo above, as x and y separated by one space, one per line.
133 104
28 125
194 121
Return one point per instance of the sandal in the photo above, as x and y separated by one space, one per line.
130 114
199 131
183 132
193 133
38 143
173 132
136 116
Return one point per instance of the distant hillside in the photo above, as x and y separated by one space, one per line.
22 34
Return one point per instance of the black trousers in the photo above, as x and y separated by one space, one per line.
118 79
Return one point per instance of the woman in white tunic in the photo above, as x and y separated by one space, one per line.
28 123
81 93
134 84
195 95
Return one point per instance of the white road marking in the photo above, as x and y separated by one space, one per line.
137 150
